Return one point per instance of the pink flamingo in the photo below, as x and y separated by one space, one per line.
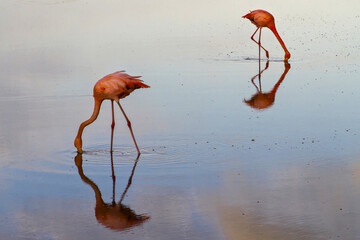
113 87
262 19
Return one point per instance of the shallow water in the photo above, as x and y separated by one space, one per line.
212 166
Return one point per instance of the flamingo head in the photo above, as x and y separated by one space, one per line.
287 56
78 144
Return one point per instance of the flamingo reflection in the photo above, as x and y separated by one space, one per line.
262 100
115 216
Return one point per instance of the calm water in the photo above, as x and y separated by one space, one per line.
213 166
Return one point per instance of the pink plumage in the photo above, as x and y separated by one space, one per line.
114 87
262 18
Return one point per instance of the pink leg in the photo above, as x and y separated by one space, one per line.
129 125
258 43
112 126
259 47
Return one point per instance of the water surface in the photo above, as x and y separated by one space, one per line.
212 166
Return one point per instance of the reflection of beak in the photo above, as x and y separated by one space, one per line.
78 160
287 65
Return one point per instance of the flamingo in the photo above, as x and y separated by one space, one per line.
262 18
114 86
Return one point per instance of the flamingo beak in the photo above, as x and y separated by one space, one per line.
287 56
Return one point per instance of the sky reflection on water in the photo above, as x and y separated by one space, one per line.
212 167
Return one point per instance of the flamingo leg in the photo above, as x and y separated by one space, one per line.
129 125
112 126
259 48
258 43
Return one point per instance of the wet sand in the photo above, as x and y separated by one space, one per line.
224 156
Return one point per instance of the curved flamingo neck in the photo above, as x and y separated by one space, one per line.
93 117
273 29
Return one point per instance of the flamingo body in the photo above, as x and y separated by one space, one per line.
117 85
114 87
262 18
